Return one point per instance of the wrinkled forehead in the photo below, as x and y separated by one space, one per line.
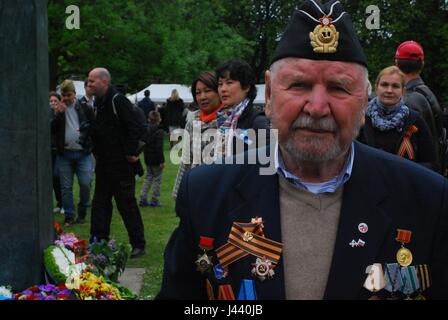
318 68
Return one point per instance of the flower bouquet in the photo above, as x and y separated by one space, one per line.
45 292
94 287
108 259
73 243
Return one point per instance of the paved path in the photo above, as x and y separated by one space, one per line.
132 278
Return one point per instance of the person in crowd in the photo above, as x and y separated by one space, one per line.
392 126
204 90
73 142
410 59
55 99
329 223
88 98
237 91
154 160
116 138
189 111
146 104
173 112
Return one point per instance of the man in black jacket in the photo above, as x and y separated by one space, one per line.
115 147
329 219
410 59
70 127
146 104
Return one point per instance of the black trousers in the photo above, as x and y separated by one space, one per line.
119 184
56 182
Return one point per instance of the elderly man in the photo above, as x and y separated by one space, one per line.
115 148
329 224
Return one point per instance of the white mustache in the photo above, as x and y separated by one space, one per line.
306 122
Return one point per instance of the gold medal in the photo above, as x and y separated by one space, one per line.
404 257
325 37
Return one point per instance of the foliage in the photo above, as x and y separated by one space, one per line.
57 260
108 258
420 20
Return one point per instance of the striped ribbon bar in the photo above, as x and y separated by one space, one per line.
226 292
248 238
393 277
210 294
410 280
228 254
424 276
406 144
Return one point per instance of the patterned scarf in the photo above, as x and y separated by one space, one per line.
227 124
385 118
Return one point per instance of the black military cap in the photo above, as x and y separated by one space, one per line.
320 32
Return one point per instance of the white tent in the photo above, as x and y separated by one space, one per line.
259 99
161 92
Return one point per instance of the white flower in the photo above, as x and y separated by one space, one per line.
64 259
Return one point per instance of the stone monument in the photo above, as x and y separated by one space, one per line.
25 173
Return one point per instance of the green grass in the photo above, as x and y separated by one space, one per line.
159 224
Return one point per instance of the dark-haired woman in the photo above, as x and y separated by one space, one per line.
236 88
205 94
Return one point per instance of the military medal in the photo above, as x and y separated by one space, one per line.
247 290
424 278
404 255
204 261
263 269
410 281
394 282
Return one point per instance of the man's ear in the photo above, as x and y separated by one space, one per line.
267 93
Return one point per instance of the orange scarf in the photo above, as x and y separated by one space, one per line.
206 118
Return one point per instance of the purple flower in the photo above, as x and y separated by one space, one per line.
113 245
47 287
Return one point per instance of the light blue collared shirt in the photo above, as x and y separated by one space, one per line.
316 188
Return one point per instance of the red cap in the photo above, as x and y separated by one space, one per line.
410 50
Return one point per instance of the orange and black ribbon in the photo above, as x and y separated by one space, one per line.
406 144
225 292
209 288
245 239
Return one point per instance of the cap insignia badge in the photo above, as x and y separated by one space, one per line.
325 37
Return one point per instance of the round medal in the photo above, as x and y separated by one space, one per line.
404 257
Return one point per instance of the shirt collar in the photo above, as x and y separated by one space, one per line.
328 186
